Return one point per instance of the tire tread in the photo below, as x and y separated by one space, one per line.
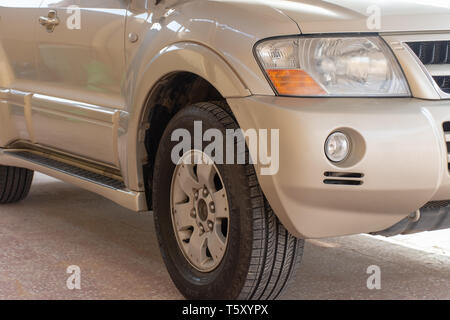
15 183
276 254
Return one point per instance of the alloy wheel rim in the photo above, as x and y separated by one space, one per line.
199 211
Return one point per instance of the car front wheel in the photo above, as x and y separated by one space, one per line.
218 236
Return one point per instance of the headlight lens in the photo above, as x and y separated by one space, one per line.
344 66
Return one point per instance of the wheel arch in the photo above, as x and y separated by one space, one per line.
159 90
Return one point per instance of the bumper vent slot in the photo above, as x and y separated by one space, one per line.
435 55
343 178
446 127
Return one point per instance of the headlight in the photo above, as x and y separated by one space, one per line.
332 66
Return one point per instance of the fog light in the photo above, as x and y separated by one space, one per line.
337 147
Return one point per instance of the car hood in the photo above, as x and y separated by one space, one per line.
333 16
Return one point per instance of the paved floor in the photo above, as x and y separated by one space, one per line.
59 225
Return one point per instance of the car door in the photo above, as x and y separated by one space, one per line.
80 61
18 72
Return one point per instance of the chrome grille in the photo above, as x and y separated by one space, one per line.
443 82
435 55
431 52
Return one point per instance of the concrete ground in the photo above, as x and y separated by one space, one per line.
59 225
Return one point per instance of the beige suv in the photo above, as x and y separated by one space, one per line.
346 101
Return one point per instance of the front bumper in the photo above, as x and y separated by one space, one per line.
404 160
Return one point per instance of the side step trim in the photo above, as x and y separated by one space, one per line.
107 187
69 169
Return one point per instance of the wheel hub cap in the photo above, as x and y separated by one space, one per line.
202 210
200 213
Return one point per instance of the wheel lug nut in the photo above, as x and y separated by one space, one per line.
205 192
212 207
210 225
193 213
196 195
202 229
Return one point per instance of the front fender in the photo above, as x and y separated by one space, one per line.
178 57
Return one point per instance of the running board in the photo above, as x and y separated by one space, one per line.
108 186
69 169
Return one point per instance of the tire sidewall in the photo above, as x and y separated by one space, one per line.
226 281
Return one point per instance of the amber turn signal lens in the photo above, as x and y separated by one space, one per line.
294 82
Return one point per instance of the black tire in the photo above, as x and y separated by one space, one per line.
261 255
15 183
